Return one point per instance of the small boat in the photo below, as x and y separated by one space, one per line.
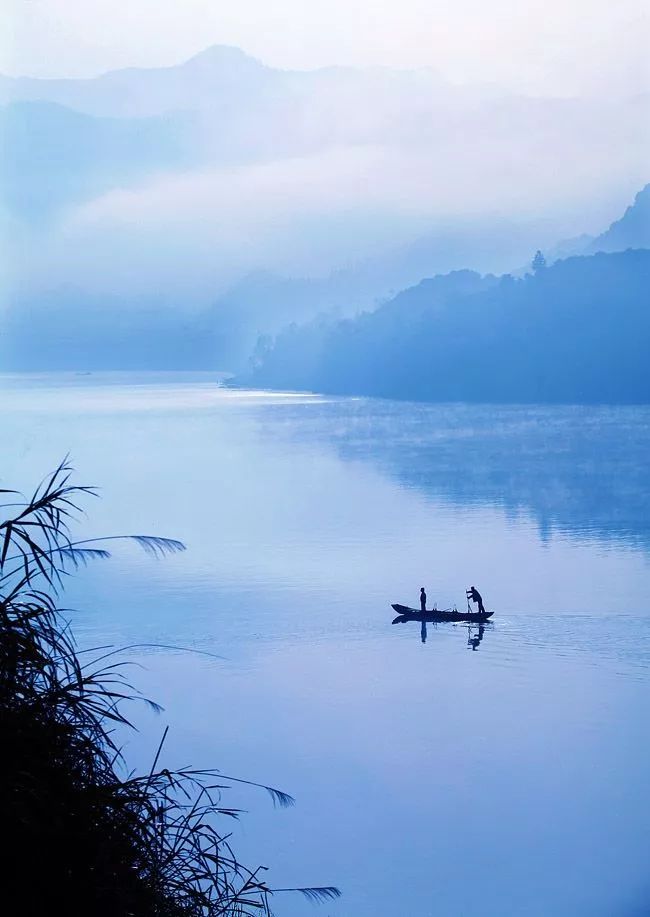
404 613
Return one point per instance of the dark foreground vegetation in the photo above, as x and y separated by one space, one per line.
82 835
573 332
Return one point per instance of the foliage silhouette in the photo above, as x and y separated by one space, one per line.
83 837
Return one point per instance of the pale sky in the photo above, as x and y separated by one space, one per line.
546 47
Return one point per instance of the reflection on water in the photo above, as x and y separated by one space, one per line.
475 632
581 470
474 637
499 769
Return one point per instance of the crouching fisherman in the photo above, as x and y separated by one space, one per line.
475 596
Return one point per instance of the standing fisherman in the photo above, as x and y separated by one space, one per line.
423 599
475 596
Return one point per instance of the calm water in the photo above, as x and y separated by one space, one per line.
448 777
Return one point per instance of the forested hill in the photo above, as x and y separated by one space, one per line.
578 331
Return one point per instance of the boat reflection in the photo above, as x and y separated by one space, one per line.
475 633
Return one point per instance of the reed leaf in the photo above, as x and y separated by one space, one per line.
84 837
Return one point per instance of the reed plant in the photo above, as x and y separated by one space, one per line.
84 835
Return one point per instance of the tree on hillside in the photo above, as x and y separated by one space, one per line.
539 261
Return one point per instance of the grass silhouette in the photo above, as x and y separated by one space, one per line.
82 834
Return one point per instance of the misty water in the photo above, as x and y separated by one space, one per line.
456 776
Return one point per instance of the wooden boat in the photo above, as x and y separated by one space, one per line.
404 613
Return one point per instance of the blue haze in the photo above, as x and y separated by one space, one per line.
142 207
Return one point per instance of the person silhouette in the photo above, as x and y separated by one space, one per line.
475 596
423 599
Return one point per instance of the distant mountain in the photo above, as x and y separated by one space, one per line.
566 248
574 332
51 156
220 109
240 111
69 328
263 303
631 231
138 92
245 198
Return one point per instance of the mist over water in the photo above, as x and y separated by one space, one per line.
504 775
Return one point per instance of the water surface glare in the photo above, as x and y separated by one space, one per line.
447 772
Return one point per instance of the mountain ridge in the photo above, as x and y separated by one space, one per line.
632 230
218 54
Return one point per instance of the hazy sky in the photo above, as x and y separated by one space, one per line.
541 46
351 168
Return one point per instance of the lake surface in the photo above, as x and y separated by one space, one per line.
435 774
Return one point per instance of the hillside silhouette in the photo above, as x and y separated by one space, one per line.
576 331
265 314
